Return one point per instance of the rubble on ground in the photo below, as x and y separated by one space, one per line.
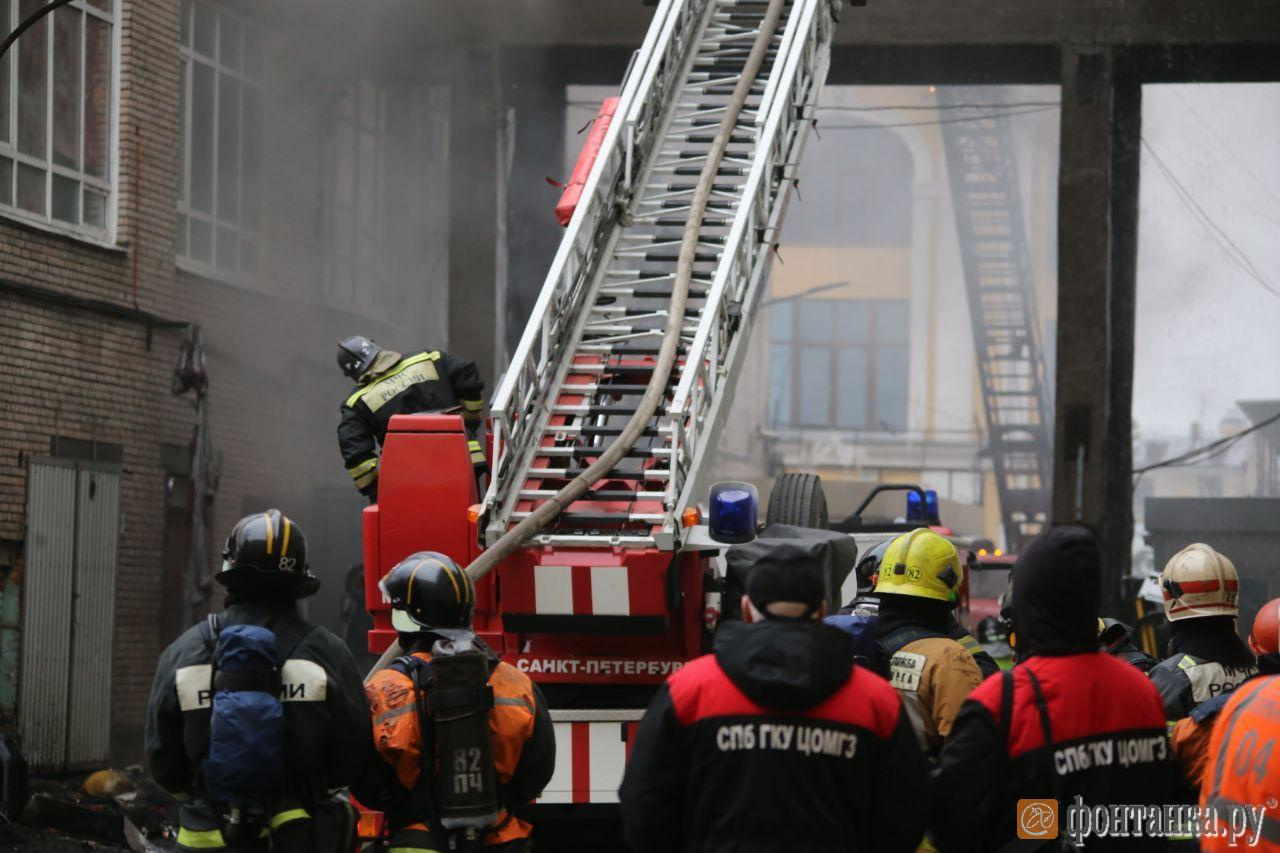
110 810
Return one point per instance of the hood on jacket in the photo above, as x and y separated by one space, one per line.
784 664
1057 591
900 611
1211 638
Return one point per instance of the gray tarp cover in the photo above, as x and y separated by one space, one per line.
837 553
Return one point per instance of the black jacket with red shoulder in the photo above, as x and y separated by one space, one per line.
1087 725
776 742
1068 721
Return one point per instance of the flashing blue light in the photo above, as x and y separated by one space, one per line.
734 507
928 512
915 512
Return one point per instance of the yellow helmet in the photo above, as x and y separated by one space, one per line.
921 563
1198 581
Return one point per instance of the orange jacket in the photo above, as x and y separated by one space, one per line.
523 740
1189 739
1243 767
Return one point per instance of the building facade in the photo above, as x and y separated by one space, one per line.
168 165
862 365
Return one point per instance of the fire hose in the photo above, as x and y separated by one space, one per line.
656 389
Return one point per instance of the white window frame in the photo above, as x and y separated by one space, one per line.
104 236
188 56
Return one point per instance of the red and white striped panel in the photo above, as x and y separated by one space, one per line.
591 752
595 591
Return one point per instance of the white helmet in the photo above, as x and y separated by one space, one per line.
1198 581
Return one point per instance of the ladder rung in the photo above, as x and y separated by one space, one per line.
577 429
615 474
597 496
600 517
593 411
587 452
594 388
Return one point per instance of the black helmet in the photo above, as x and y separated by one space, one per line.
355 354
992 630
869 566
428 592
266 554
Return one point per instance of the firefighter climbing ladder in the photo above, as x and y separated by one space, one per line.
997 270
590 346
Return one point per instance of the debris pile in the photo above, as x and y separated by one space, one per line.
108 811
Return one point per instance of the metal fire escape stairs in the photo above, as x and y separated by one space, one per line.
589 348
997 270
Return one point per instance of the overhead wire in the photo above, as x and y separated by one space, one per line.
1206 221
1206 451
1261 184
956 120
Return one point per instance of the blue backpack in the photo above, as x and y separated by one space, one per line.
862 637
245 765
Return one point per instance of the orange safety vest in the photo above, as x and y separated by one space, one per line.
1243 766
396 735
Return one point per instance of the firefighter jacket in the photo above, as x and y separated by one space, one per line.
1067 721
426 382
524 750
1208 661
326 724
777 741
1244 765
869 605
932 672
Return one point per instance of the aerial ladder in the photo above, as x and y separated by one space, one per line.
1002 310
594 568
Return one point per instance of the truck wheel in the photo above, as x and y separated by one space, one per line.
798 500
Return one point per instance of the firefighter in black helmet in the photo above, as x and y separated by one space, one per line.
432 601
321 698
391 384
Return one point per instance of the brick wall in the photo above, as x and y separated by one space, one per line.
274 388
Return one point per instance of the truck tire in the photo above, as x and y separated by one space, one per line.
798 500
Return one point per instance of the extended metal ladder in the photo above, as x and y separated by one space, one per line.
589 348
997 270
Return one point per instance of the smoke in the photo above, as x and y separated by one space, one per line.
355 130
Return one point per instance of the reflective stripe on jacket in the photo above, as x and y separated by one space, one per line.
523 740
1243 767
429 381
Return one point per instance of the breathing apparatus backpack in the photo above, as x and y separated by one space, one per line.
244 768
457 788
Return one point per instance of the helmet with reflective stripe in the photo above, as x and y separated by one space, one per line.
1198 581
429 593
266 553
355 354
923 564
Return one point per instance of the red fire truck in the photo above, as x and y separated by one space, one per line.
620 588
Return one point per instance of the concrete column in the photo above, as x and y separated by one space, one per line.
1097 237
474 104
